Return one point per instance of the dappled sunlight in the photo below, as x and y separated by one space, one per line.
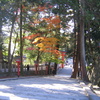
56 87
41 88
8 93
4 87
11 96
50 88
45 86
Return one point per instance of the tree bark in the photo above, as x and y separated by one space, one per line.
21 43
82 44
1 41
9 46
76 49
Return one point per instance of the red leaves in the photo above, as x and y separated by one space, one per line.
40 8
34 9
31 36
53 22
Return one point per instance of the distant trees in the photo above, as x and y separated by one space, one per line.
2 20
79 57
90 20
86 17
5 17
92 37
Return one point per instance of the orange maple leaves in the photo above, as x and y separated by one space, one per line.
40 8
53 22
31 36
45 44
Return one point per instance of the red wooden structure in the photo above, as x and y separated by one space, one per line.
63 56
18 66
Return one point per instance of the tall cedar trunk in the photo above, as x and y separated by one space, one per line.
9 49
82 44
1 59
1 54
77 49
9 46
21 43
75 58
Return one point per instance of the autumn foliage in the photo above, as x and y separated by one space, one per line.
47 44
44 42
31 36
53 22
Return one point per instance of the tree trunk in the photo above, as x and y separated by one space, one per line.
1 41
82 44
75 63
76 48
55 64
21 43
9 46
14 47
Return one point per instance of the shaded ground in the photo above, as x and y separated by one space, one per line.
59 87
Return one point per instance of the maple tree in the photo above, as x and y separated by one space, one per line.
44 42
40 31
53 22
47 44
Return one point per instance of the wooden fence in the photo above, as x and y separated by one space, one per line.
41 70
